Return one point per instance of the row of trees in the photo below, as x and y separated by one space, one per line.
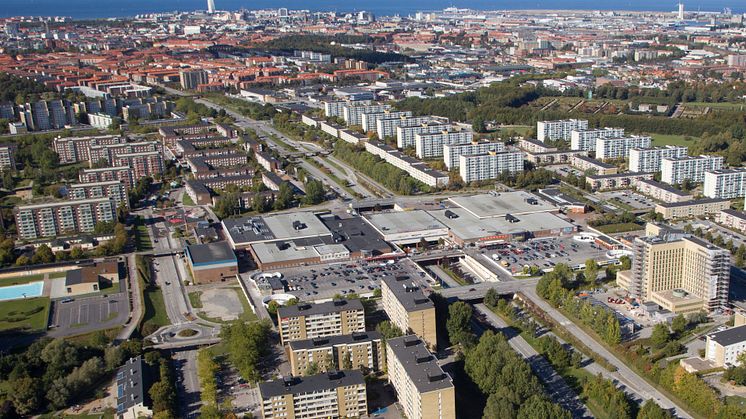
247 344
163 391
331 45
380 171
556 287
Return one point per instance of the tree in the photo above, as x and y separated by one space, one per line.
679 324
312 368
388 330
458 324
537 407
660 336
25 395
491 298
498 407
314 192
285 197
591 270
43 254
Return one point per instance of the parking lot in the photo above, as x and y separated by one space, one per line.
85 315
545 253
322 282
630 201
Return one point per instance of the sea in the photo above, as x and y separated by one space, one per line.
89 9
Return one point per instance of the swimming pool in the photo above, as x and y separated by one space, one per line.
14 292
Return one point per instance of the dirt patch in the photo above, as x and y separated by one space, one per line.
221 303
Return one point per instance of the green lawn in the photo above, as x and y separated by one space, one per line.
155 314
666 139
142 238
619 228
187 200
520 129
194 299
729 106
21 279
247 315
26 314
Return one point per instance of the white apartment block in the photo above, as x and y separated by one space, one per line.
490 165
353 114
615 148
369 121
725 184
335 108
386 127
413 167
405 135
586 139
676 170
559 130
662 192
451 152
732 219
431 145
724 347
649 159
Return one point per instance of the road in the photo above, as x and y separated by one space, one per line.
133 295
188 387
624 373
559 391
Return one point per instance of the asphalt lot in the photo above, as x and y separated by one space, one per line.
632 199
322 282
83 315
546 253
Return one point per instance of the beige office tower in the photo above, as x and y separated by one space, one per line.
679 274
307 321
409 309
423 389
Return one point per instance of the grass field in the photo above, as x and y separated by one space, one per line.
142 238
155 314
730 106
26 314
619 228
665 139
248 315
194 299
21 279
187 200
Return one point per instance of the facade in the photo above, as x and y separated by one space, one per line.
618 148
386 127
681 274
405 135
489 165
675 171
190 79
106 174
724 347
649 159
451 152
353 114
423 389
586 139
725 183
357 351
694 208
662 192
412 166
585 163
409 309
88 279
212 262
77 149
431 145
559 130
115 189
63 217
147 164
369 121
336 394
336 108
308 321
732 219
7 157
110 152
617 181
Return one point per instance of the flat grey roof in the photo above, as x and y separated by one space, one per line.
666 187
497 204
310 384
286 226
307 309
409 295
210 253
692 203
404 221
328 341
466 226
729 336
421 366
281 251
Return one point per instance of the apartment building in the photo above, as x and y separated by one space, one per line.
386 127
191 78
409 308
266 160
147 164
357 351
353 114
52 219
336 394
76 149
617 181
662 192
694 208
586 139
350 136
412 166
106 174
559 130
369 121
307 321
585 163
451 152
735 220
649 159
405 135
7 157
109 152
47 115
675 171
209 163
115 189
724 347
725 183
489 165
423 389
681 274
618 148
336 108
431 145
530 145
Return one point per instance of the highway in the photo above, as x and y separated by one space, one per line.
559 391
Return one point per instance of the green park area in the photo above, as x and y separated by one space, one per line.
29 314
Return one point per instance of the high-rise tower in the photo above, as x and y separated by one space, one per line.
210 6
681 11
